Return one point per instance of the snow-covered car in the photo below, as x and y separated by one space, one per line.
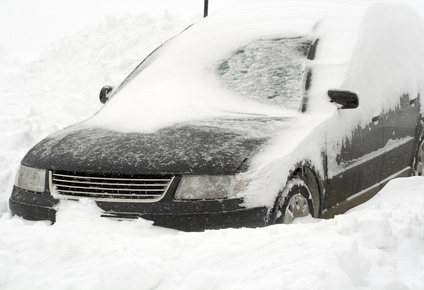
248 118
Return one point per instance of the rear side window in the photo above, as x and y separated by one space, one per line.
269 71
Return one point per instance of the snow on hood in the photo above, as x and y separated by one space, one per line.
217 146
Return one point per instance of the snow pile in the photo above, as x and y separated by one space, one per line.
377 246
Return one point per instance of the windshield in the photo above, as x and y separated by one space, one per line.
224 66
268 71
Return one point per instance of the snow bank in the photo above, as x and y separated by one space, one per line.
377 246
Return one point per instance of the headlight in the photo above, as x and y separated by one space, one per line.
210 187
32 179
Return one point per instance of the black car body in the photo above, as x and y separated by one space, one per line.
223 153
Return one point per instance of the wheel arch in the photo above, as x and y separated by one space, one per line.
310 177
305 171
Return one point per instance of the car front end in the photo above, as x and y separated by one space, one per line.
179 202
188 186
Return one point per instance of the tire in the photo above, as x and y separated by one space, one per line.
419 160
295 201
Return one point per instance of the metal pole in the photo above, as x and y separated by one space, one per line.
205 11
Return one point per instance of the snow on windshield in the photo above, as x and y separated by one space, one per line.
268 71
179 82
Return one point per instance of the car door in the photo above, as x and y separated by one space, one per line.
354 162
399 130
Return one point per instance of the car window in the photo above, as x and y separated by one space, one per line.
269 71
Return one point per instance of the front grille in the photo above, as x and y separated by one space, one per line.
109 188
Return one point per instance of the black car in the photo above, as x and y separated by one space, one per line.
245 121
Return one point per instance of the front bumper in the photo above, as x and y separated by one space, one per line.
192 215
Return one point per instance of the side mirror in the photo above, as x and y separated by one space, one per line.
104 94
346 99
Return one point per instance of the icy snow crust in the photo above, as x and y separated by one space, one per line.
215 146
379 245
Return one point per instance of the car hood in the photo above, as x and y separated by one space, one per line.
219 146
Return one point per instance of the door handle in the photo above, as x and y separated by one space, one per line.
413 102
376 120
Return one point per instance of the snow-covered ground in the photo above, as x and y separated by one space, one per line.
379 246
54 58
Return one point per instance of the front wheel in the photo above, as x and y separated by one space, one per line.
294 202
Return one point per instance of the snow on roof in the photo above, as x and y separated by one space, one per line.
384 62
387 61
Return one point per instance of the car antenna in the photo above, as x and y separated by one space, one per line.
205 9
